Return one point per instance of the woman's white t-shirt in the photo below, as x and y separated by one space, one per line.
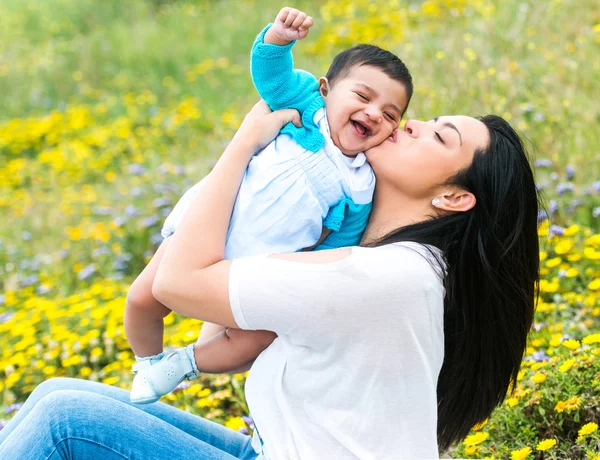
353 372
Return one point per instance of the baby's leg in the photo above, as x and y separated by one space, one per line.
143 313
231 350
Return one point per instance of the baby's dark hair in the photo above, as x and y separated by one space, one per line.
373 56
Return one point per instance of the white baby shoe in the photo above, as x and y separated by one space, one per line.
154 380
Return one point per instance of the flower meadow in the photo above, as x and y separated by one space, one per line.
108 113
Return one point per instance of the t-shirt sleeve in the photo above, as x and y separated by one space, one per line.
291 297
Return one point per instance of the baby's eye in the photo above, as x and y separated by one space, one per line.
390 116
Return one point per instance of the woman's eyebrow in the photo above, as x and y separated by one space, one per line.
450 125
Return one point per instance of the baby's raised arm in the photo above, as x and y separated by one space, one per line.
272 65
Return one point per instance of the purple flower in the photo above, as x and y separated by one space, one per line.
538 326
543 163
542 215
556 230
136 169
156 239
570 170
539 356
248 420
161 202
596 186
119 221
100 251
552 207
182 386
244 430
565 187
29 281
136 191
86 272
6 317
102 211
165 211
131 211
13 408
149 221
596 212
26 235
3 423
42 289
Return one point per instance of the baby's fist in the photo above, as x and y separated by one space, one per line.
291 24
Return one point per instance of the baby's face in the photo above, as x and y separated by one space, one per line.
363 109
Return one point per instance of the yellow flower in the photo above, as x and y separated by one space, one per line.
476 438
520 454
568 405
567 365
588 428
480 425
512 402
539 377
592 338
555 262
571 344
594 285
546 444
235 423
471 450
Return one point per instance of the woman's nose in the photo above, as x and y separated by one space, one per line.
410 127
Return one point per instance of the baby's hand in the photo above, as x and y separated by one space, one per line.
290 24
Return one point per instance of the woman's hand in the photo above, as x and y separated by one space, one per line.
261 126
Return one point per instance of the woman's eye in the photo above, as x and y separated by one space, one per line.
439 138
363 97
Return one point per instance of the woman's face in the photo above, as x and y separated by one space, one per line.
418 159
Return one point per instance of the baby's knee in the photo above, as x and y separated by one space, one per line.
139 296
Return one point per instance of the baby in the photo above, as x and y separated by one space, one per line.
310 188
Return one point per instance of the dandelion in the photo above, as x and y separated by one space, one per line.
520 454
546 444
539 377
477 438
590 339
571 344
587 429
569 405
567 365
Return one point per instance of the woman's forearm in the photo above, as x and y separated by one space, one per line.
200 237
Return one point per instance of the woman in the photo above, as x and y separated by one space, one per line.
387 350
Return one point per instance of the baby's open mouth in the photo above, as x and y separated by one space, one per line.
362 129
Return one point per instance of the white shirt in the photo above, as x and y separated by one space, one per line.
353 372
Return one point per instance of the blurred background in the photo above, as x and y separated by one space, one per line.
109 110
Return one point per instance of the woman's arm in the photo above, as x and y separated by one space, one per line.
192 278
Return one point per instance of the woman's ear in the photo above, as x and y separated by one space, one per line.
324 86
457 200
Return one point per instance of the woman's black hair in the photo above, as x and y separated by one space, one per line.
492 267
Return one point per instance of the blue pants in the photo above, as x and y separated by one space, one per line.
78 419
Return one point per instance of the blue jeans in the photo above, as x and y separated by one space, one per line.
78 419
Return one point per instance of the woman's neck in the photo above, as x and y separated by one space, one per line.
392 211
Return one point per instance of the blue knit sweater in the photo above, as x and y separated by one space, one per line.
283 87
